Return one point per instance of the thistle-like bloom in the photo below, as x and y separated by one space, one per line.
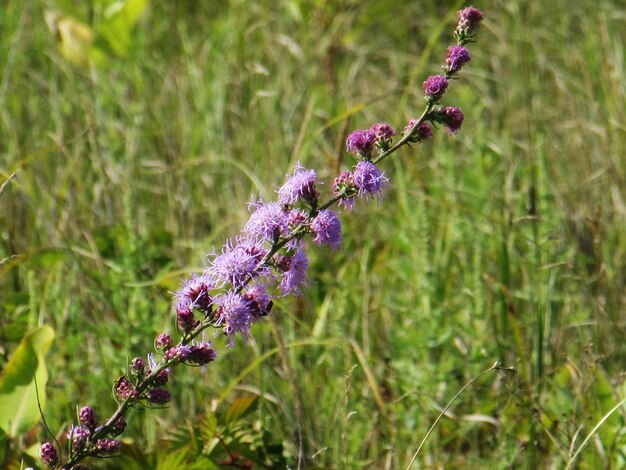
158 396
294 269
420 133
239 263
451 117
258 300
235 313
195 293
435 86
457 57
124 388
383 133
107 446
299 187
179 353
49 454
267 222
344 187
163 342
137 367
87 417
361 142
326 228
469 19
369 180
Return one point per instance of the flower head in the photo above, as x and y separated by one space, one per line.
158 396
299 187
326 228
457 57
124 388
235 313
163 342
361 142
49 454
238 263
267 222
344 187
194 293
107 446
435 86
78 435
368 179
294 269
469 19
419 133
202 354
137 367
383 134
87 417
258 300
451 117
119 426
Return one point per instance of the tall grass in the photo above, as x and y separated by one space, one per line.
505 243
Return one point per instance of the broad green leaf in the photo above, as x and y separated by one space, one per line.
18 399
121 18
240 408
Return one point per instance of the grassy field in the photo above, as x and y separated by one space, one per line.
505 243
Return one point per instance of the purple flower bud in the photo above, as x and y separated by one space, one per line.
162 377
78 436
49 454
369 180
420 133
185 318
202 354
179 352
457 57
107 446
435 86
294 271
451 117
326 228
383 133
87 417
124 388
299 187
361 142
163 342
119 426
158 396
469 19
137 367
344 187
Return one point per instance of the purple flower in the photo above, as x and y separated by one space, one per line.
163 342
137 367
469 19
420 133
158 396
457 57
49 454
202 354
258 300
78 435
124 388
299 187
194 293
237 264
119 426
234 311
361 142
267 222
162 377
435 86
294 271
185 318
383 133
451 117
326 228
344 187
179 353
368 179
107 446
87 417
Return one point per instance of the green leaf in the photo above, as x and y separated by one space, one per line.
240 408
121 18
18 399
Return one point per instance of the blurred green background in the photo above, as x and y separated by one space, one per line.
139 131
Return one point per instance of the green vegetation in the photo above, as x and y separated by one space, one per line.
505 242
